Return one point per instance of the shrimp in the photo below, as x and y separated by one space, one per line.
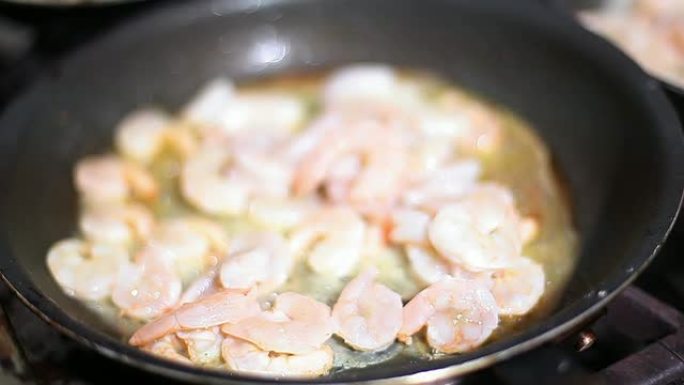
518 288
360 84
428 154
86 270
224 307
190 244
479 232
279 214
203 345
117 224
428 266
219 108
296 324
266 175
201 287
206 185
169 347
207 107
261 259
140 135
676 37
459 315
368 314
409 226
377 183
243 356
444 184
219 181
294 148
341 176
483 131
332 239
109 179
147 288
246 113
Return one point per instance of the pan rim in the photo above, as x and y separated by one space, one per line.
562 321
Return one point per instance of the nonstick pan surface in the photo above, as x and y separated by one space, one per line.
614 136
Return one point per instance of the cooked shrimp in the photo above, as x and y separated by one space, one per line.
109 179
205 285
379 180
368 314
119 224
169 347
360 84
203 345
86 270
208 106
480 231
190 244
444 184
409 226
224 307
341 176
483 132
267 175
294 148
140 135
243 356
374 242
219 181
296 324
219 108
332 239
459 315
427 265
148 288
260 260
280 214
206 185
518 288
246 113
428 154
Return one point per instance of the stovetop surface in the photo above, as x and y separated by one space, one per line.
638 341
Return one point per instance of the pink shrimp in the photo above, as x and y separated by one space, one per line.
460 314
228 306
296 324
368 314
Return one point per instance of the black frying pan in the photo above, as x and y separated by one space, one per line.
609 126
569 8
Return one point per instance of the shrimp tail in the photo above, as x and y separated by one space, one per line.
155 330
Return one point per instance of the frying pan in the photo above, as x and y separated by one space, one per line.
609 126
569 8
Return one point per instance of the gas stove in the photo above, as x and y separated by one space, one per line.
638 339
